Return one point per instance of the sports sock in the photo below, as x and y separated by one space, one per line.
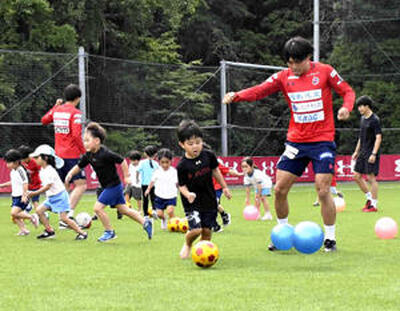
330 232
333 190
368 195
283 221
374 202
71 213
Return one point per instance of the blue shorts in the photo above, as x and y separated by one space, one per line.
58 203
218 194
68 165
160 203
296 157
112 196
16 201
201 219
265 191
36 197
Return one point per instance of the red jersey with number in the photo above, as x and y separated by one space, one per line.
224 171
33 172
67 122
309 97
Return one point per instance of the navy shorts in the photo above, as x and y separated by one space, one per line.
160 203
296 157
201 219
16 201
36 198
218 194
68 165
362 166
112 196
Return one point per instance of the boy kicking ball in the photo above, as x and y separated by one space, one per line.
103 162
195 172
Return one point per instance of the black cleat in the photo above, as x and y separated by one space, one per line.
272 248
119 215
330 245
94 217
217 228
226 219
46 235
82 236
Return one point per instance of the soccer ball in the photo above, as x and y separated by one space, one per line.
183 225
173 224
205 254
84 220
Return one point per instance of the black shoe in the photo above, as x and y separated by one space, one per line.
46 235
94 217
330 245
272 248
340 194
119 215
217 228
62 225
81 236
226 219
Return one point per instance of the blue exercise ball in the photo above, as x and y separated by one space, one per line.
308 237
282 236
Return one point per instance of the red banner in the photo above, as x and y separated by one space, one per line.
389 170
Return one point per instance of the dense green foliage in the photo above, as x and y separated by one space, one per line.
359 38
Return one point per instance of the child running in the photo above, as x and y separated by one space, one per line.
165 182
133 189
33 174
57 197
146 169
103 162
19 191
195 172
261 183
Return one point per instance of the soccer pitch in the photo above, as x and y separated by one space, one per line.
133 273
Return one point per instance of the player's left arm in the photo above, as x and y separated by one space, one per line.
39 191
125 172
25 192
378 141
218 176
345 91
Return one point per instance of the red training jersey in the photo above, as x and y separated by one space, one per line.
309 97
67 122
33 172
224 171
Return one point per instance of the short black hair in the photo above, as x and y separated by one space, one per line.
297 48
50 160
72 92
365 100
134 155
188 129
150 150
248 160
165 153
97 131
12 155
25 151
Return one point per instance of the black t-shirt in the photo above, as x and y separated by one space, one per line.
369 128
196 175
103 163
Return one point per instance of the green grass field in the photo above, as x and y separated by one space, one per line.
132 273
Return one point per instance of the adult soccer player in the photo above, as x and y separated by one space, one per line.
366 153
67 120
307 87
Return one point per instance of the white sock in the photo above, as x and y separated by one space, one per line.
368 195
71 213
333 190
374 202
330 232
282 221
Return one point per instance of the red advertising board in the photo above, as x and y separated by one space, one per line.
389 170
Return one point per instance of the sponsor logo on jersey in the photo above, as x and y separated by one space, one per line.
315 80
307 106
309 117
325 155
305 95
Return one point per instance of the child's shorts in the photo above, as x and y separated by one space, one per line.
265 192
160 203
133 192
16 201
218 194
112 196
201 219
36 198
58 203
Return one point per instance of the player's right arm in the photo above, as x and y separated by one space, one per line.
75 170
270 86
48 117
190 196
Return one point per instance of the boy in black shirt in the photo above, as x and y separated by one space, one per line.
103 162
367 152
195 172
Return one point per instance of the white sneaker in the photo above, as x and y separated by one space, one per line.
163 224
267 216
